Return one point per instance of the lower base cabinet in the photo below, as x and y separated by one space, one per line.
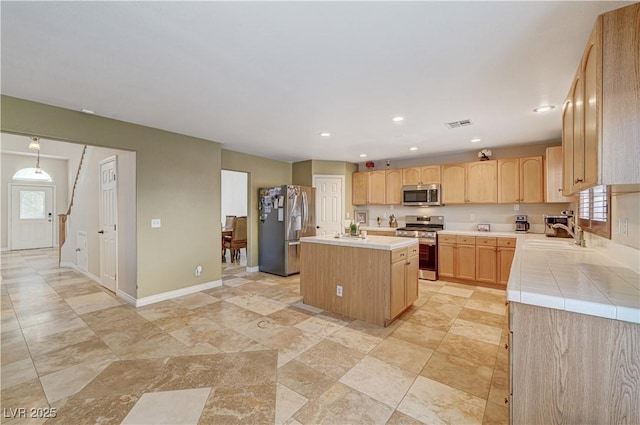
480 259
571 368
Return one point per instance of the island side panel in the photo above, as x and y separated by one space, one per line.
363 274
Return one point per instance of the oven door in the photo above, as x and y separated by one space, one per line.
428 259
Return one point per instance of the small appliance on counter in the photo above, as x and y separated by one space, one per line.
565 218
522 225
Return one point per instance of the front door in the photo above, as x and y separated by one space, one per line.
108 224
32 212
328 204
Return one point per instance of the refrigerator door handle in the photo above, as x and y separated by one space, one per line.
294 243
305 211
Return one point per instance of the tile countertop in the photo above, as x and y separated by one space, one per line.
387 243
555 273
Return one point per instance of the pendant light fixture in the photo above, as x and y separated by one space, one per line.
35 143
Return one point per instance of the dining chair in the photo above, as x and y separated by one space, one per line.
238 239
228 223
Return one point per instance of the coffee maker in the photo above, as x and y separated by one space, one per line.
522 225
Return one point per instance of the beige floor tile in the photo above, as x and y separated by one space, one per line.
379 380
92 302
435 315
289 316
343 405
499 387
90 350
477 331
304 380
419 335
113 319
195 300
355 339
477 352
261 330
488 306
449 299
60 313
163 310
458 292
13 347
321 325
229 341
16 373
374 330
160 407
478 316
266 307
459 373
67 382
9 321
39 344
432 402
292 341
107 410
250 404
403 354
330 358
26 395
496 414
399 418
196 330
288 402
245 300
227 314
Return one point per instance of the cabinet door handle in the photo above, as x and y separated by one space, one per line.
578 181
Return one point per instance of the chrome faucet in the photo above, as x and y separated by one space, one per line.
577 234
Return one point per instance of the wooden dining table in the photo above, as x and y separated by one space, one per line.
226 231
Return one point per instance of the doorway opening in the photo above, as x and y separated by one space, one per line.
31 214
329 203
234 200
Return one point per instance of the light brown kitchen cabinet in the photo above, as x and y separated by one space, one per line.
404 280
486 260
508 181
453 183
377 187
393 187
505 253
456 257
428 174
531 180
482 182
360 188
553 176
571 368
600 115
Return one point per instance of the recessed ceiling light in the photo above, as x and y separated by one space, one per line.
476 140
397 119
86 111
413 148
325 134
544 108
363 155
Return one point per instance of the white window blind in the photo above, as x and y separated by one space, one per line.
593 211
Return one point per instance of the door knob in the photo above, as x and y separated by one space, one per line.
101 232
77 249
317 227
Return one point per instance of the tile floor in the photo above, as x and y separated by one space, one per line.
248 352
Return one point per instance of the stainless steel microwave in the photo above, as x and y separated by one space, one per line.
422 195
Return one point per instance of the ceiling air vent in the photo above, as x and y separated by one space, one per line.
457 124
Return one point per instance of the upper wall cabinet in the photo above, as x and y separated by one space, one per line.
553 173
601 128
429 174
482 182
377 186
360 188
453 183
393 187
521 180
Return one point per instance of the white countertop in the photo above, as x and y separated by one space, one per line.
378 228
387 243
555 273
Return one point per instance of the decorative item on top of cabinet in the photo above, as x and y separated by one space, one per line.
600 126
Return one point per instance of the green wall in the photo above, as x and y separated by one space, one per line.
302 173
177 180
262 172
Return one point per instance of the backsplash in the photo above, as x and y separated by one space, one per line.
467 217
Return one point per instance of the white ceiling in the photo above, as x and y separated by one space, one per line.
267 77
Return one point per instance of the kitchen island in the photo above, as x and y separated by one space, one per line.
373 279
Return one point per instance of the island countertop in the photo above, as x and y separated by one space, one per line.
385 243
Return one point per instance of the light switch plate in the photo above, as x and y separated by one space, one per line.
155 223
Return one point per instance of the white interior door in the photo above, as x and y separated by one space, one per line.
82 255
32 212
329 204
108 224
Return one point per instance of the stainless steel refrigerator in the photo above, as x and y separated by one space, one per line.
286 213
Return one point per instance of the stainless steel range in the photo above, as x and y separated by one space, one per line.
424 228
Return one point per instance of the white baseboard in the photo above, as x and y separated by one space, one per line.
253 269
152 299
128 298
79 270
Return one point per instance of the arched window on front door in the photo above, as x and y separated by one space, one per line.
33 175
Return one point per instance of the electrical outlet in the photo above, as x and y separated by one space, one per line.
516 207
155 223
472 216
339 290
625 227
198 270
348 215
619 226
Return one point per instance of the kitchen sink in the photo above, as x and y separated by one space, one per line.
557 244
